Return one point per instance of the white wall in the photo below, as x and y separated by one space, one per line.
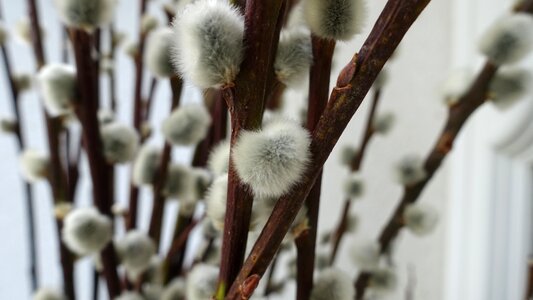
421 63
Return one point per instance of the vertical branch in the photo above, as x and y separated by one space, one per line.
131 221
28 193
86 109
353 84
111 58
354 167
156 220
318 98
246 103
57 179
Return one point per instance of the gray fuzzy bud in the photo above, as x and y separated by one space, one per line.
294 56
335 19
508 86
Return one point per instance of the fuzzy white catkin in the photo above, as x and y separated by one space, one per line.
59 88
86 231
456 86
333 284
175 290
135 250
120 142
158 55
382 281
383 122
208 46
272 160
335 19
421 219
410 170
86 14
508 86
201 282
365 254
218 162
23 31
129 296
293 57
347 155
179 183
187 125
22 81
48 294
105 116
34 165
354 186
146 165
148 23
509 39
8 125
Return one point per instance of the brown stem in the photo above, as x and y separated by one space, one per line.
352 86
529 291
318 98
158 208
150 99
270 284
176 253
111 74
246 103
354 167
57 178
86 110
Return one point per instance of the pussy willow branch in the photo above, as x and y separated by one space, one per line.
318 99
28 193
457 117
86 110
131 221
352 85
57 179
158 208
261 36
111 72
355 166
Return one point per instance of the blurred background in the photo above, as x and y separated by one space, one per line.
483 192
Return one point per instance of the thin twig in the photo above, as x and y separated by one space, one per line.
352 86
354 167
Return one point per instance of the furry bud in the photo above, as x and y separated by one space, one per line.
48 294
421 219
120 142
175 290
34 165
59 87
335 19
23 82
62 209
509 39
86 14
146 165
209 43
86 231
148 23
294 56
158 52
105 116
179 182
8 125
154 273
187 125
24 31
3 33
383 281
410 170
135 250
383 123
271 161
201 282
129 296
218 162
131 48
456 86
354 186
347 155
508 86
365 254
333 284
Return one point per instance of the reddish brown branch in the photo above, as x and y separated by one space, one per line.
158 208
529 291
318 99
354 167
352 87
86 110
246 103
